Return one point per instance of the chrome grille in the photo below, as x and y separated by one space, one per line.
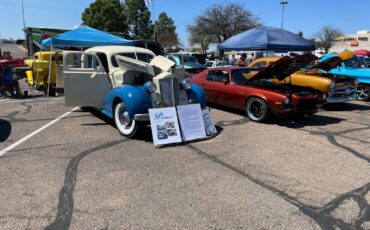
170 89
342 91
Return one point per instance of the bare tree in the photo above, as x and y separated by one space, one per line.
224 20
327 36
198 37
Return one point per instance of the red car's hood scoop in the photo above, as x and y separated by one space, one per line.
284 67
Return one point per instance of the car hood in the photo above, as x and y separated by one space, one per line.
363 72
331 61
284 67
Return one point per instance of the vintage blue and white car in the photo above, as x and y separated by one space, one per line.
354 67
124 83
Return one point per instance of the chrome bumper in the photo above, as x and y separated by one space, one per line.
342 94
141 117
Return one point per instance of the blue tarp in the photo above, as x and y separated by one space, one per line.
267 38
85 36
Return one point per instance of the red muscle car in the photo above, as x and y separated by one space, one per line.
255 91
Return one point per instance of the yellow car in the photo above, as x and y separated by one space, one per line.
37 77
338 88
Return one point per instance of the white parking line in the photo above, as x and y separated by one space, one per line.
9 100
7 149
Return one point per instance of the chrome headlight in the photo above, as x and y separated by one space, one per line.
159 104
150 86
186 84
286 101
332 85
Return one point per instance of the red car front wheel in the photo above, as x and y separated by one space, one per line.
257 109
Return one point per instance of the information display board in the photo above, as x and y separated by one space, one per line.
165 126
191 122
208 123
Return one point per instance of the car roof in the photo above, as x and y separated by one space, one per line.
119 49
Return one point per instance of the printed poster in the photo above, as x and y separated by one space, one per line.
165 126
191 122
208 123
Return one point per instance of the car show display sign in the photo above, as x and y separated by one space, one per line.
191 122
165 126
208 123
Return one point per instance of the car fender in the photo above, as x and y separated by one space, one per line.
198 94
271 98
363 75
136 99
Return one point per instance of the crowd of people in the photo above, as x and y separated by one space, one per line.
242 60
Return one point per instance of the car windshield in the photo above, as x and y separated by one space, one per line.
140 56
239 76
222 63
190 59
354 63
363 61
209 64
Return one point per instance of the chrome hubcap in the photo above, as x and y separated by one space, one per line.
362 92
124 118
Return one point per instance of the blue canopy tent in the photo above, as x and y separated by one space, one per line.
267 38
85 36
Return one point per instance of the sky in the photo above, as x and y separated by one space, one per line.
300 15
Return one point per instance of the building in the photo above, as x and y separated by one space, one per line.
11 47
353 42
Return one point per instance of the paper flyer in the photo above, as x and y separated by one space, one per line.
164 125
191 122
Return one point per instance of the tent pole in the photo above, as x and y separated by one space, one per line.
48 89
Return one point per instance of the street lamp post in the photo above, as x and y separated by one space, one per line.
283 3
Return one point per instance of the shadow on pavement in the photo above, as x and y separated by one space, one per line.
145 134
5 130
345 107
315 120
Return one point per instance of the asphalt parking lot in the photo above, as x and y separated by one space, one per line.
79 173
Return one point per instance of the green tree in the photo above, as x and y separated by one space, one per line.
165 31
106 15
138 19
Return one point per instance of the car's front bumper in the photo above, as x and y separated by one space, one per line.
342 94
142 117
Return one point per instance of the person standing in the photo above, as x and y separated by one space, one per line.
241 61
250 58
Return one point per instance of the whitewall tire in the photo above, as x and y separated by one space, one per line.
126 126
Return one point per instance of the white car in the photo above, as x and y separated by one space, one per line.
217 63
124 82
